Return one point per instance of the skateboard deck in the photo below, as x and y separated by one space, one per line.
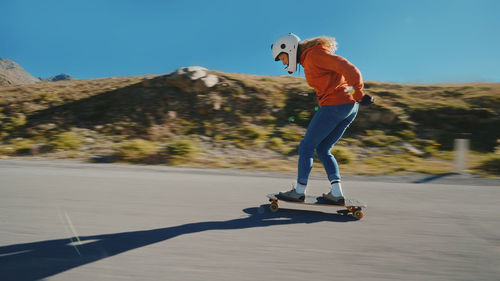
352 206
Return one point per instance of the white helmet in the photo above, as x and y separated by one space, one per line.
288 44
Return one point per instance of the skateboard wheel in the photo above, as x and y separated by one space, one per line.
273 207
358 214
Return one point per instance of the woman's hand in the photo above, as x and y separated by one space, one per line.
367 100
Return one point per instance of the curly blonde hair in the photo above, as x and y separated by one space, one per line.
326 41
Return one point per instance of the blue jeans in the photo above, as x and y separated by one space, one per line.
326 128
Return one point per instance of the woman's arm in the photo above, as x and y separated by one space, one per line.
323 59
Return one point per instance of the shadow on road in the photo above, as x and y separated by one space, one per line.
38 260
434 177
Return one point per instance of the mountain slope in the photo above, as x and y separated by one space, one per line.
12 73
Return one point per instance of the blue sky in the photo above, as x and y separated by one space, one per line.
426 41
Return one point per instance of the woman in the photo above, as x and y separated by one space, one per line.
339 88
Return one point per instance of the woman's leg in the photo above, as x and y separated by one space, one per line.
324 122
323 149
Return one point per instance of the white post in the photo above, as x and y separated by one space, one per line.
461 151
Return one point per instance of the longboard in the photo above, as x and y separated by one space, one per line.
352 206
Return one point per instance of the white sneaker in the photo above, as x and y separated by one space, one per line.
336 200
292 195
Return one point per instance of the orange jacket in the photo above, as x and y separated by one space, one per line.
330 75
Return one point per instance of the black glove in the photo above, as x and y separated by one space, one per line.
367 100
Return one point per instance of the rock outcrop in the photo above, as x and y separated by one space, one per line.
60 77
191 79
12 74
194 80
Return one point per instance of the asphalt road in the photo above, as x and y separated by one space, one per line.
69 221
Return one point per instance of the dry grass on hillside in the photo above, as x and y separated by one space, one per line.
257 124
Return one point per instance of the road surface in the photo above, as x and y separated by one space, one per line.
72 221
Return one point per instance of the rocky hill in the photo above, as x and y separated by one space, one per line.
12 73
203 118
60 77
